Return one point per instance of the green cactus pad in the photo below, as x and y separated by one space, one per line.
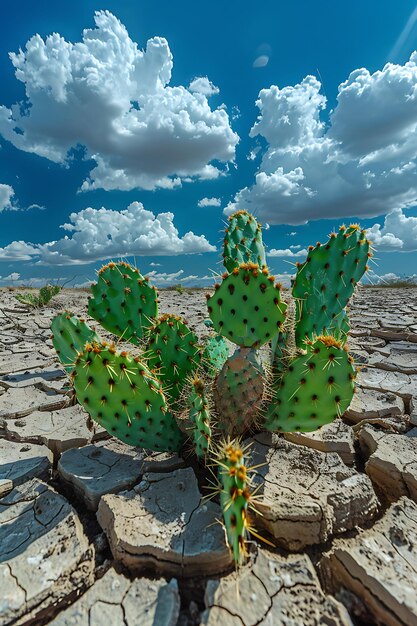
339 326
47 292
173 352
247 308
243 242
234 497
326 280
316 388
215 354
69 336
124 397
238 392
200 418
123 301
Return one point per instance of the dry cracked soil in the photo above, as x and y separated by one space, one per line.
96 533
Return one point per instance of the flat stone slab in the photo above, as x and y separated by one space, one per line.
58 430
335 437
44 553
376 571
5 486
273 591
21 402
95 470
163 526
308 496
398 360
115 600
23 362
370 404
20 462
34 377
392 461
404 385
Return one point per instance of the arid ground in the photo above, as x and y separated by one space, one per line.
94 532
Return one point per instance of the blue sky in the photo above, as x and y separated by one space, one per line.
109 122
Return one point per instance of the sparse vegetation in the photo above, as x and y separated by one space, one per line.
46 293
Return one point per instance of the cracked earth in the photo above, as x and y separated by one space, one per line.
94 532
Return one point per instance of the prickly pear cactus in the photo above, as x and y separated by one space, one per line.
302 378
173 352
123 302
316 388
326 280
235 496
125 397
247 308
243 242
69 336
200 418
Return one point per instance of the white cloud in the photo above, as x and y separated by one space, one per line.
203 85
261 61
164 279
254 153
107 95
292 234
398 233
6 196
155 264
209 202
99 234
363 164
36 282
18 251
287 253
10 278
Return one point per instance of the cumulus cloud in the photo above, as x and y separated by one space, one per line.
107 95
10 278
362 164
203 85
6 196
398 233
103 233
165 279
18 251
209 202
287 252
98 234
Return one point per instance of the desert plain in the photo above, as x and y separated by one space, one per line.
94 532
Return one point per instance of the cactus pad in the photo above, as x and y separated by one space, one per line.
125 398
200 418
215 354
234 497
243 242
247 308
69 336
123 301
326 280
238 392
173 352
316 388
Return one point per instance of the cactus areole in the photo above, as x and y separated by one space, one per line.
305 378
